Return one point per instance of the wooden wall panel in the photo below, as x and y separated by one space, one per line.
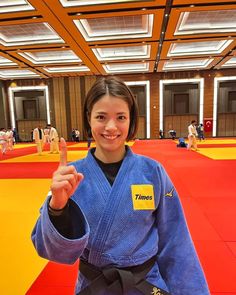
226 125
141 133
59 106
221 125
230 123
208 95
89 81
154 107
75 103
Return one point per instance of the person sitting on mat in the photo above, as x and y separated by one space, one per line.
172 133
181 142
117 211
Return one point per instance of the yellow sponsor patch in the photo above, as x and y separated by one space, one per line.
143 196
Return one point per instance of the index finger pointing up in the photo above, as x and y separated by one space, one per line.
63 152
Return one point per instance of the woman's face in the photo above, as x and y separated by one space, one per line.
110 121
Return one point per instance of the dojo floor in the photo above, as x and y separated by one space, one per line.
205 181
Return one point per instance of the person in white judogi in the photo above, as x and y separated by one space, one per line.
10 139
46 132
38 138
3 140
192 136
77 135
54 140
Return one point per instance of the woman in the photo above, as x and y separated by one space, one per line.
117 211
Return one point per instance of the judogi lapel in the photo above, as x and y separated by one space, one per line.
109 198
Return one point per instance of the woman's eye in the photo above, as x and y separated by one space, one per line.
122 118
100 117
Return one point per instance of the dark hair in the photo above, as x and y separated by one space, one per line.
115 87
193 121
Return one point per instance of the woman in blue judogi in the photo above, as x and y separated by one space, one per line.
117 211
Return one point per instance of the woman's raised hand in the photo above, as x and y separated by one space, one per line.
65 180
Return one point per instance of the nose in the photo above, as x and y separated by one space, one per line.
111 125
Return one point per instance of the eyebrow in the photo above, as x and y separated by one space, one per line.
103 113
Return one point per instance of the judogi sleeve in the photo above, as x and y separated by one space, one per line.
177 257
50 244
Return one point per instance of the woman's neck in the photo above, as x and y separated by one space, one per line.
109 157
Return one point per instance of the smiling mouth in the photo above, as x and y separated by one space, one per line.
110 137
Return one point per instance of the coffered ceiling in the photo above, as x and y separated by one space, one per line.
52 38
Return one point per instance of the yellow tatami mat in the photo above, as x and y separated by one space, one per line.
213 141
20 202
217 141
46 157
225 153
82 145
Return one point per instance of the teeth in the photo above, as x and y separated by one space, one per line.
110 136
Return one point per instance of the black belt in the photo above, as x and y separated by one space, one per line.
119 281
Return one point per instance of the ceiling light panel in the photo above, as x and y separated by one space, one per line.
205 22
117 27
128 67
50 57
66 69
187 64
230 63
199 48
26 34
122 52
69 3
14 6
17 73
6 62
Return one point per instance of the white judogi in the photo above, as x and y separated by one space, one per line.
46 132
10 139
54 139
38 140
3 141
192 134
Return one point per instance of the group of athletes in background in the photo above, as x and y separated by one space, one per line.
41 137
49 135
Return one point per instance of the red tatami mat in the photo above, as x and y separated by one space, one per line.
27 170
207 192
18 152
219 264
55 279
224 223
198 221
232 247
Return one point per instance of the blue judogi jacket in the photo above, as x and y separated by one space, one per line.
138 217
